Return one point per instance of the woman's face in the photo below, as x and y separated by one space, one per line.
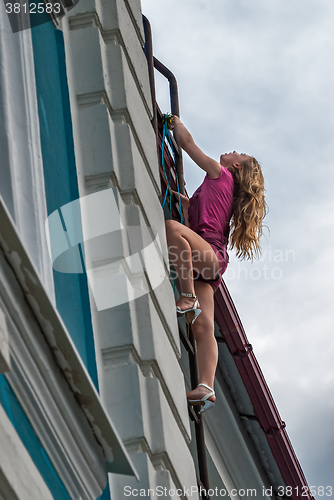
230 159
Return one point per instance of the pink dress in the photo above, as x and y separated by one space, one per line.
209 214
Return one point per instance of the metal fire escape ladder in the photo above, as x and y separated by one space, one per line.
188 342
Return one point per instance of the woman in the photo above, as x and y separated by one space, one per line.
233 190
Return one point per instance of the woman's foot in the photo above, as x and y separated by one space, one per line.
185 303
199 393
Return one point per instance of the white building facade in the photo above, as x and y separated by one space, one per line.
93 374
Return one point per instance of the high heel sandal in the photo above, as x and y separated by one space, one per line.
194 309
204 402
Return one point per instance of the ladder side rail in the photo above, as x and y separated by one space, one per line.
157 120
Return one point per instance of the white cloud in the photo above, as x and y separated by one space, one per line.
258 77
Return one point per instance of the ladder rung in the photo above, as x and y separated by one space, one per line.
193 415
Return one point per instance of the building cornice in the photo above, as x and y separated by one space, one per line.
60 344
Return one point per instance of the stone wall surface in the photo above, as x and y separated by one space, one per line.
137 342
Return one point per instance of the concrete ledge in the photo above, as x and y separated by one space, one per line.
62 347
146 421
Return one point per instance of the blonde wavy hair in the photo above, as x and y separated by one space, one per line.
249 209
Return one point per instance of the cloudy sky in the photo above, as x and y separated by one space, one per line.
257 77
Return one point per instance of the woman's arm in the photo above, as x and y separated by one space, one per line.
186 142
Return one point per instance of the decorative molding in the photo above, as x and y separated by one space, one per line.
88 19
98 182
123 116
81 21
123 355
91 99
5 362
160 461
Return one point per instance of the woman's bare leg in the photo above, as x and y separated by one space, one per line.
187 250
207 349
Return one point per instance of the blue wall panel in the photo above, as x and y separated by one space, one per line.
61 182
61 178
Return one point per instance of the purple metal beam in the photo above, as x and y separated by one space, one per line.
266 411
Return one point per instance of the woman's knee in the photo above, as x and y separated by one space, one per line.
203 326
172 225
